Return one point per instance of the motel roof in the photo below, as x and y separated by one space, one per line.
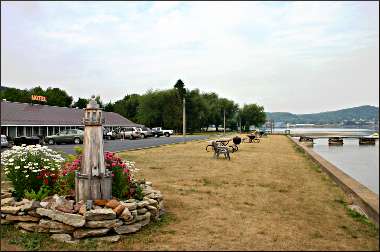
25 114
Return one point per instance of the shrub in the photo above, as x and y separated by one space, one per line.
124 185
41 194
30 167
65 184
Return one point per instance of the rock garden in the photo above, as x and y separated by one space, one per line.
42 197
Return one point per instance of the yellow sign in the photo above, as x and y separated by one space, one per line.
38 98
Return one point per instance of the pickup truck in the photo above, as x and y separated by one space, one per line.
166 133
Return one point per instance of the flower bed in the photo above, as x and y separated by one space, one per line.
33 208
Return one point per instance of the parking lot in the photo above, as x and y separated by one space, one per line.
120 145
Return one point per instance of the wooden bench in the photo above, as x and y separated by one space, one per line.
220 149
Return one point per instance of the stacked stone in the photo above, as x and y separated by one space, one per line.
69 221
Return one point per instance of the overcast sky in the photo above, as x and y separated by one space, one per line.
299 57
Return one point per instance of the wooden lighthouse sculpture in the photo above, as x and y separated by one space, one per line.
93 181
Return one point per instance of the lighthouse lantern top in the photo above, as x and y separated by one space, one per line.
93 114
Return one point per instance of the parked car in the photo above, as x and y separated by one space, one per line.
166 133
157 133
146 132
111 135
28 140
66 136
130 132
4 141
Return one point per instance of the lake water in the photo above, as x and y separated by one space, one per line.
361 162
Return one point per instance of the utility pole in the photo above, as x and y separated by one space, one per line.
240 125
184 118
224 121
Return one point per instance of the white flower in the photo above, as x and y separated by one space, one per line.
27 175
17 167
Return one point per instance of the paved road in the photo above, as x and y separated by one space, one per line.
120 145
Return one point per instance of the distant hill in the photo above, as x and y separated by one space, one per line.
366 113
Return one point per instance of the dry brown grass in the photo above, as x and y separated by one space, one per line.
268 197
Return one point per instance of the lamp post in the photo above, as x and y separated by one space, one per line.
93 181
224 121
184 118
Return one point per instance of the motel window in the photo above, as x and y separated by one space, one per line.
50 131
20 131
35 131
12 131
28 131
43 131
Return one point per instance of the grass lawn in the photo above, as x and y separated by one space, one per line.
270 196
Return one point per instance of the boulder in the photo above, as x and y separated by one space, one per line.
10 209
22 202
126 229
142 210
44 204
152 202
22 218
112 203
134 213
130 205
153 211
54 227
77 206
126 215
104 223
100 202
119 209
143 217
145 222
100 214
74 220
81 233
130 200
61 237
6 195
6 222
30 205
32 227
64 209
33 213
142 204
7 201
82 209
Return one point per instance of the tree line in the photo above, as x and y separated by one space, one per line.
159 107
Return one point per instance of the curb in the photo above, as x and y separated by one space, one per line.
366 199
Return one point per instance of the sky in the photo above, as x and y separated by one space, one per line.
299 57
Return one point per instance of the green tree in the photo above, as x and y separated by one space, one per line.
80 103
58 97
128 106
252 114
108 107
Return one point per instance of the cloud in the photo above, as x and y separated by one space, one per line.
260 52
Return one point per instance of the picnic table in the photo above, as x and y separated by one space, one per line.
225 142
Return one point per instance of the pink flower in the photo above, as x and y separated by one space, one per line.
112 174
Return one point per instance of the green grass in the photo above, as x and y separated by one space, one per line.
28 241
